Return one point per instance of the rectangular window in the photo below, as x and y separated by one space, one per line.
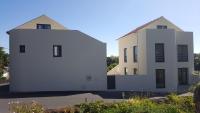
125 71
134 71
182 53
125 54
182 76
160 78
22 48
43 26
161 27
159 52
135 53
57 51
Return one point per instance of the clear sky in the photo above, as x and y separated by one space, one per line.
105 20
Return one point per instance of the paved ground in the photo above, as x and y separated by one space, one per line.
54 99
61 99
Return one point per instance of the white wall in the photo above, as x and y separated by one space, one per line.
168 38
38 70
187 39
136 83
147 82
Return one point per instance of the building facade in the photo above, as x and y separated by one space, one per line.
158 54
45 56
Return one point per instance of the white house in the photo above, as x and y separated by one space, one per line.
157 56
45 56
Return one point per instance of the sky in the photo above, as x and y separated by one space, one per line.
105 20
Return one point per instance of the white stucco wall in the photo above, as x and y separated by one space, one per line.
168 38
137 83
38 70
186 38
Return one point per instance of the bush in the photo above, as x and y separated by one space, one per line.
193 87
63 110
185 103
20 107
197 99
96 107
173 104
137 105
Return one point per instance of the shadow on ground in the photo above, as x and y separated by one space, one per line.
4 93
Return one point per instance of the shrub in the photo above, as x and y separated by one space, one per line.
96 107
20 107
193 87
173 104
185 103
197 99
63 110
136 105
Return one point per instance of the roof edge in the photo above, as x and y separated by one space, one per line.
140 27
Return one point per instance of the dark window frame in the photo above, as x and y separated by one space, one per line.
160 79
135 71
161 26
183 80
159 52
135 53
125 71
43 26
22 48
125 55
182 55
59 51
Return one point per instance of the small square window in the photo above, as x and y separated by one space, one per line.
22 48
57 51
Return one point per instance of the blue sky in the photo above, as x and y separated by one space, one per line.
105 20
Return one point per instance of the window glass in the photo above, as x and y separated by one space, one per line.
134 70
161 27
159 52
182 53
22 48
43 26
125 71
135 53
125 54
160 78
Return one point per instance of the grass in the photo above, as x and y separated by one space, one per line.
173 104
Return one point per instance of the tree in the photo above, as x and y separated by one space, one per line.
3 61
197 99
112 61
197 62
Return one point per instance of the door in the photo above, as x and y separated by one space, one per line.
160 78
182 76
110 82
